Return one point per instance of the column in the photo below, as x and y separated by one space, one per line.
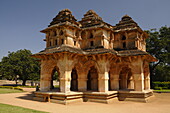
147 82
65 81
45 80
139 81
103 82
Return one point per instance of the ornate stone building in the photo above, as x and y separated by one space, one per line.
95 61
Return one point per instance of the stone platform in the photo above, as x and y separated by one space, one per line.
102 97
138 96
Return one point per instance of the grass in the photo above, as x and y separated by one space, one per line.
4 108
163 90
27 86
7 90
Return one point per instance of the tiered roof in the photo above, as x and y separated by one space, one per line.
64 16
91 19
126 23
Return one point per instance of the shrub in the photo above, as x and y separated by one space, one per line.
158 88
10 87
163 85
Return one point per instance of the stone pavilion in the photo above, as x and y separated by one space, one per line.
95 61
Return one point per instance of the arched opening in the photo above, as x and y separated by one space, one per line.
83 35
77 34
126 81
92 82
54 33
62 41
123 37
91 43
91 35
55 79
74 43
74 81
56 42
50 44
61 32
124 42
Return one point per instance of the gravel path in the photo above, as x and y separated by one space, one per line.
161 104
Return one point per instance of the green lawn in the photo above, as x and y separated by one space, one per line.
7 90
4 108
163 90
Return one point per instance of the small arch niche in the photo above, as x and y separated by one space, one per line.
123 37
83 35
61 32
77 34
124 42
91 43
91 35
54 33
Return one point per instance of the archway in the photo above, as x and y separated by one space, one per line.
124 42
74 81
126 81
55 79
92 82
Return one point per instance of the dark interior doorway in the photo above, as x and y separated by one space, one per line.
74 81
92 82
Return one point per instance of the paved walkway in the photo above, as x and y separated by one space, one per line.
161 104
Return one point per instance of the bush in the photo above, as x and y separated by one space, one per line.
10 87
158 88
163 85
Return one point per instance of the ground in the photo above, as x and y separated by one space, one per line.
161 104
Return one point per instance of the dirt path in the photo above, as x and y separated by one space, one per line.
161 104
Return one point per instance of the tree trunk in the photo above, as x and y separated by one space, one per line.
24 82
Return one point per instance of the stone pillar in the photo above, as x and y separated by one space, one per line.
139 82
65 81
147 82
65 65
45 80
138 73
103 82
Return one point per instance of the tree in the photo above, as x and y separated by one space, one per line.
158 45
20 63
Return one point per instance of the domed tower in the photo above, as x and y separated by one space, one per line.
128 35
95 32
63 30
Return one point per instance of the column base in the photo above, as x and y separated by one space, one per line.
137 96
88 96
59 97
101 97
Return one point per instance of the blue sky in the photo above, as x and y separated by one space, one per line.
21 20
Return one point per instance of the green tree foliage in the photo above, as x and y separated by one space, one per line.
20 64
158 45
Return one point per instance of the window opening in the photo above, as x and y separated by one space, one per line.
124 44
62 41
91 43
56 42
75 43
91 35
123 38
50 43
61 32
